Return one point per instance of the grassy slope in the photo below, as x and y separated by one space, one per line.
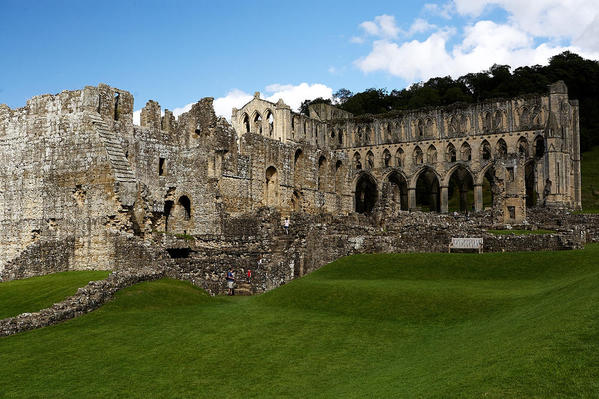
418 325
33 294
590 180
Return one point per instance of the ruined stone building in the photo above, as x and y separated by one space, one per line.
78 178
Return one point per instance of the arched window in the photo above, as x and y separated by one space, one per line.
420 128
272 186
485 150
399 158
465 152
501 148
451 153
370 159
431 154
498 120
357 162
539 147
258 123
322 171
366 194
524 117
185 204
386 158
246 122
523 147
418 156
271 123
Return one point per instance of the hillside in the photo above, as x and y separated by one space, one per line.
413 325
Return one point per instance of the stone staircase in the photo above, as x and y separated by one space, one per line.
124 175
243 289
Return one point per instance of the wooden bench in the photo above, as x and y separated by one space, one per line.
466 243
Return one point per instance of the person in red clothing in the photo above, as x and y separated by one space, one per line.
249 274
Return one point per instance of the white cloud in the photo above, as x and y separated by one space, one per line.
234 99
382 26
534 31
292 95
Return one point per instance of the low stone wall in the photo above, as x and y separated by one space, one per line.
87 298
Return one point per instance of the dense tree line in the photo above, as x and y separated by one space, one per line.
580 75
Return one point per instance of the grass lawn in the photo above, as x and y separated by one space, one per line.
590 181
520 232
497 325
36 293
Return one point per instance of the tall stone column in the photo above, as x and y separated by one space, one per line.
478 197
444 199
412 198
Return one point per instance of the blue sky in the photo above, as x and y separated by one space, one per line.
177 52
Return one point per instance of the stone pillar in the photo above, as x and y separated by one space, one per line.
478 197
444 199
412 198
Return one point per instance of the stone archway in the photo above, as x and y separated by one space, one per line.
395 192
460 191
271 191
530 181
366 194
427 191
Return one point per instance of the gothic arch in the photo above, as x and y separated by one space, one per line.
322 173
386 158
460 189
431 154
501 149
417 156
450 153
270 119
365 193
271 191
370 160
465 152
522 147
357 161
539 146
428 192
399 158
245 120
395 191
257 121
485 151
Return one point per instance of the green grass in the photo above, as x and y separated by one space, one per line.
520 232
36 293
511 325
590 181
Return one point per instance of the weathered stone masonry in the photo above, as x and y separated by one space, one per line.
83 187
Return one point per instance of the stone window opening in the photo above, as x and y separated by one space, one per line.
271 123
116 106
366 194
272 186
357 163
498 120
523 147
539 147
418 156
386 158
420 128
466 152
185 203
501 148
486 150
322 170
510 173
370 159
431 154
161 166
340 136
399 157
246 122
258 123
451 153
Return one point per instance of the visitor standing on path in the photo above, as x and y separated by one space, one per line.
230 282
249 275
286 225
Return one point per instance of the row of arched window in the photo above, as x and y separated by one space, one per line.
451 154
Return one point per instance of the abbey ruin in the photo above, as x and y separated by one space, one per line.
85 188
